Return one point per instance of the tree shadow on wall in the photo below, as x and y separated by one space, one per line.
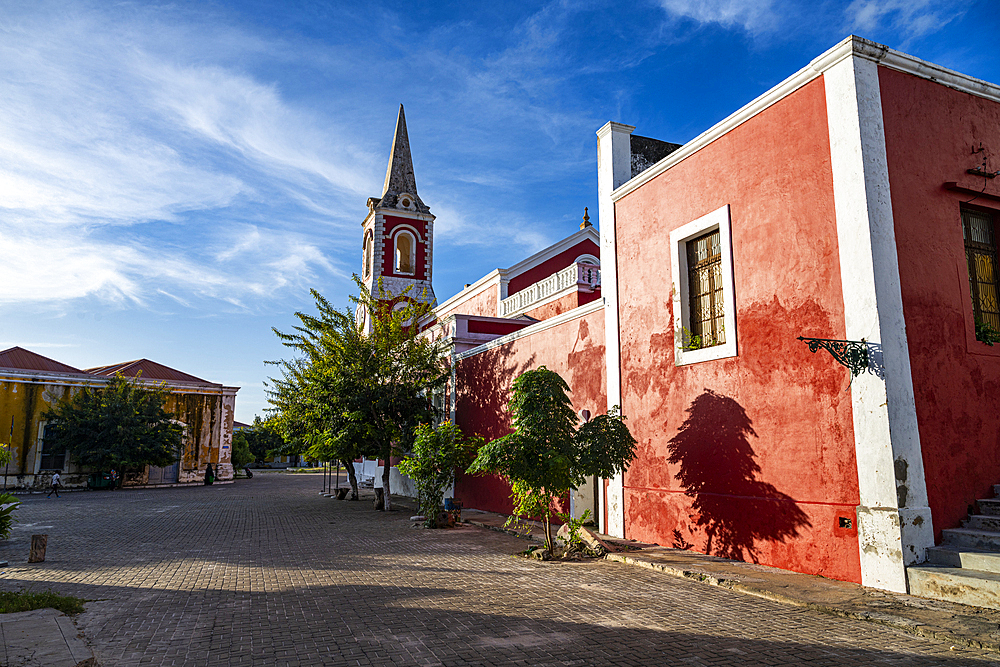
718 470
484 387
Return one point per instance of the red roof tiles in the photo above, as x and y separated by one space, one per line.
149 370
26 360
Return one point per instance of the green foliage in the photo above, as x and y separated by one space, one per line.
8 505
437 451
573 543
358 385
261 441
546 455
15 601
241 456
985 333
121 424
5 456
692 341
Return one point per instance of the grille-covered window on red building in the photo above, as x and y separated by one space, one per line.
707 311
978 228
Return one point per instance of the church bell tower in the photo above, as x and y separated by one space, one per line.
398 232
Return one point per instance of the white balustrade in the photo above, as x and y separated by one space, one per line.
586 275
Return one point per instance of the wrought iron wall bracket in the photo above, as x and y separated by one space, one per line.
849 353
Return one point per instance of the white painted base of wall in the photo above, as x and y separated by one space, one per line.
917 533
882 532
582 499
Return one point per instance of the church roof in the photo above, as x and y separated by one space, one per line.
150 370
26 360
399 176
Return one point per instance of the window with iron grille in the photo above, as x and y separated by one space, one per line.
53 458
706 317
703 295
981 253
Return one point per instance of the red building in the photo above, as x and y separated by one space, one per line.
856 201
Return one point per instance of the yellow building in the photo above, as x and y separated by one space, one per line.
30 384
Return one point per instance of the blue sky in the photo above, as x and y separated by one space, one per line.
174 177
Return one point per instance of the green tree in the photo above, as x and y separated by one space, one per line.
261 439
8 503
360 383
546 455
437 451
120 424
241 456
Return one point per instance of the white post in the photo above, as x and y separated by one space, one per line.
614 167
894 521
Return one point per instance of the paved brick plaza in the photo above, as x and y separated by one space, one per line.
266 572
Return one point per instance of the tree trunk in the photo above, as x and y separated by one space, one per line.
386 470
352 476
548 534
38 544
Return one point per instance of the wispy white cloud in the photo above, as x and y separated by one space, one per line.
911 18
106 126
757 16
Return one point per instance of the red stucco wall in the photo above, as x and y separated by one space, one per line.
930 132
552 265
574 349
563 304
766 464
389 250
483 304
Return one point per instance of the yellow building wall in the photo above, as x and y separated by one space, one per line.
207 419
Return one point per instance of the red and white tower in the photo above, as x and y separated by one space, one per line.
398 239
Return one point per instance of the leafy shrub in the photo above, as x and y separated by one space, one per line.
437 451
8 504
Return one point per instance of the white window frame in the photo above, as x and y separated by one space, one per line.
368 253
718 219
413 252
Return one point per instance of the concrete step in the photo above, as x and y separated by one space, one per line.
984 561
982 522
980 540
990 506
953 584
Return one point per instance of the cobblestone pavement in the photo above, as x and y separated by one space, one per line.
266 572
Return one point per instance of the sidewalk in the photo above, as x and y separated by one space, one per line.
42 638
956 623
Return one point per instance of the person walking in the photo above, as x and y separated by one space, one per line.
209 475
56 481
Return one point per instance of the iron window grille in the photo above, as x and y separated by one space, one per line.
706 308
981 254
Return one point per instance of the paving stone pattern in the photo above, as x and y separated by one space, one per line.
267 572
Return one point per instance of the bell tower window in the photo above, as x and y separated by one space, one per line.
369 251
406 255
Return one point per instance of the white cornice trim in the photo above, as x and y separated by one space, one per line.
556 248
403 213
611 125
478 287
850 46
578 312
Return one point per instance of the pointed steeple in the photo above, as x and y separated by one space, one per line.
399 177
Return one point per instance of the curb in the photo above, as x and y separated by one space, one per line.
923 618
908 625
